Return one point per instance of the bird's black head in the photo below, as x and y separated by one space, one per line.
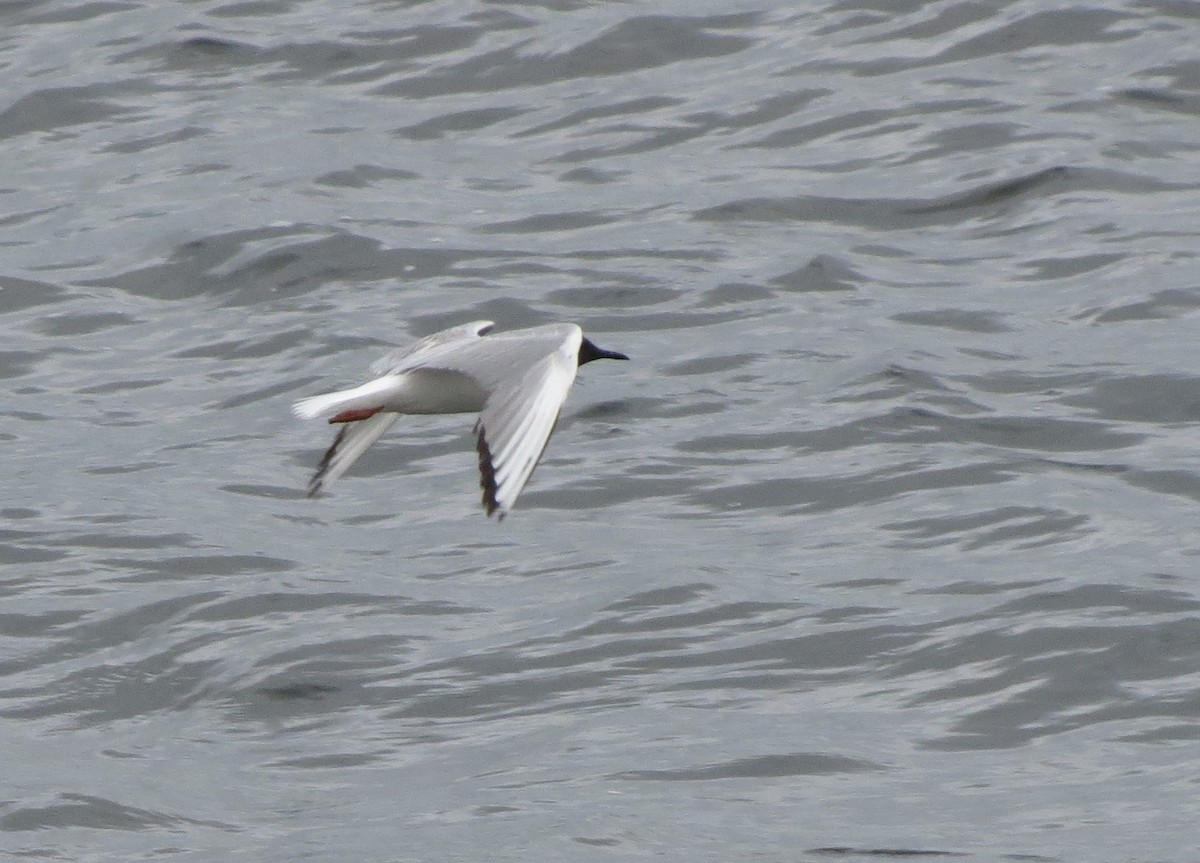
589 352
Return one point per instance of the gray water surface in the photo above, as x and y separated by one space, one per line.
884 546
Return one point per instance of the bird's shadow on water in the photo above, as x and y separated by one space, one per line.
849 852
599 410
300 691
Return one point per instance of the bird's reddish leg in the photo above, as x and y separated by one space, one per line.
354 415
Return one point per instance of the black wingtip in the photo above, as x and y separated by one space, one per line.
317 483
487 472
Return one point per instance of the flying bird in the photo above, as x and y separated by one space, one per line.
517 381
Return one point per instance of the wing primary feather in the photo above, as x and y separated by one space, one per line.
487 472
352 440
521 478
318 478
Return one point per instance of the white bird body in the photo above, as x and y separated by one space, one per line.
517 381
419 391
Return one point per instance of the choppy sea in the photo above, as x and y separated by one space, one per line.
886 544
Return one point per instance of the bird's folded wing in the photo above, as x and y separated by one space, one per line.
515 426
416 354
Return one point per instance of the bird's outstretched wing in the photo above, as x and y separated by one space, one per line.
415 355
516 423
352 440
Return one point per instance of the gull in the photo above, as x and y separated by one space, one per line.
517 381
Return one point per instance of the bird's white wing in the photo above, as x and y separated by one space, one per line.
353 439
416 354
516 423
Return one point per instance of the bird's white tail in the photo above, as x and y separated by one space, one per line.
369 395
